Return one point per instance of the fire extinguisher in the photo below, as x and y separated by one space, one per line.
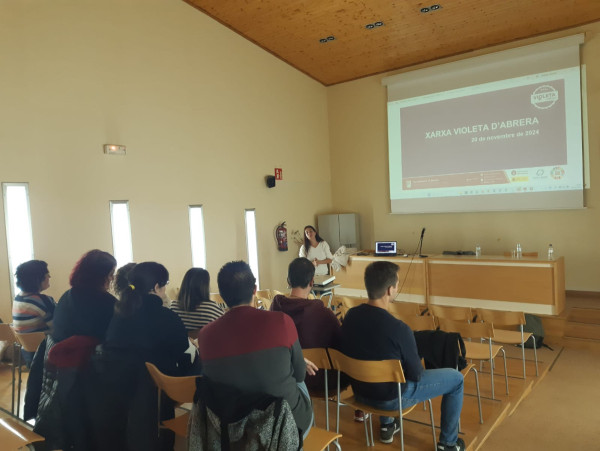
281 237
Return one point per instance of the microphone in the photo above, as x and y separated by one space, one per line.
421 243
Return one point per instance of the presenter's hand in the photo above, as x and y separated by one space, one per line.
311 368
315 262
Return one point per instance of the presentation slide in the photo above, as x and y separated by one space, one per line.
488 142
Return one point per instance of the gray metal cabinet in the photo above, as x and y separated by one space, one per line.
339 230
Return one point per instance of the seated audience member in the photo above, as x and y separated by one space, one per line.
141 330
120 282
370 332
317 326
32 311
87 308
193 304
81 318
253 350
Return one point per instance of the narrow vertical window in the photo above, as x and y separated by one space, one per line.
251 242
121 232
17 218
197 236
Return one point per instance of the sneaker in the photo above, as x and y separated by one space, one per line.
387 431
460 446
359 416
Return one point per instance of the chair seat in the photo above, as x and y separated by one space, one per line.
14 436
510 336
351 401
318 439
179 424
481 351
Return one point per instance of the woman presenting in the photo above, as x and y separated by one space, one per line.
316 250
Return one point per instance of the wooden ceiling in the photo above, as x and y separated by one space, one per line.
292 29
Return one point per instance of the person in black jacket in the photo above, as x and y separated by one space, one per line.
141 330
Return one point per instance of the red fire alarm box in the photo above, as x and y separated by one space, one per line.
278 174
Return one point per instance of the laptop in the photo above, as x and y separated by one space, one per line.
323 280
385 248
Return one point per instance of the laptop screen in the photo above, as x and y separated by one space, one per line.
385 248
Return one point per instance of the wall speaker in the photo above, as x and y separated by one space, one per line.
270 181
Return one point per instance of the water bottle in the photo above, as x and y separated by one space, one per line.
519 251
550 252
477 250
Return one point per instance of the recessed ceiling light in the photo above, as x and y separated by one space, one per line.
331 38
369 26
323 40
327 39
425 10
435 7
378 24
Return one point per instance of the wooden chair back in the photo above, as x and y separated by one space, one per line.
367 370
15 436
467 330
420 322
404 308
263 294
31 341
216 297
179 389
6 333
318 356
501 318
453 313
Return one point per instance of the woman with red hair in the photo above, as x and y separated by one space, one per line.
87 308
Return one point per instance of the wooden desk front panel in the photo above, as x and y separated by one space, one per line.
412 277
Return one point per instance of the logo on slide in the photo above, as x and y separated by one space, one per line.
544 97
557 173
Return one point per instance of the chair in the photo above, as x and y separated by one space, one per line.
471 367
374 371
450 312
15 436
347 303
319 357
503 319
216 297
263 299
180 390
29 342
477 351
418 322
264 294
6 334
404 308
319 439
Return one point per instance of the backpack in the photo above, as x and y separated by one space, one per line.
533 324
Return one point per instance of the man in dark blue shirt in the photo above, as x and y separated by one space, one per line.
370 332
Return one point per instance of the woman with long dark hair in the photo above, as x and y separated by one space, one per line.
193 304
316 250
87 308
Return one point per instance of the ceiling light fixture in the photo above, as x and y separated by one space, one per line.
435 7
327 39
425 10
378 23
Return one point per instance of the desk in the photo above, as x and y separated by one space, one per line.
412 276
532 285
325 290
